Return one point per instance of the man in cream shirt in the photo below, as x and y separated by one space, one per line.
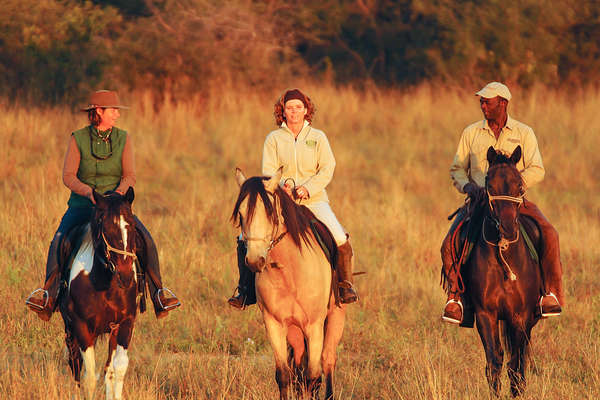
468 171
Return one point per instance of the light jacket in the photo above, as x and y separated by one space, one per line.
470 162
307 159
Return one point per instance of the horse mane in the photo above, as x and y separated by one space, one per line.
296 222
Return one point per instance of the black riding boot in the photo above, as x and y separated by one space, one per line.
148 259
246 290
45 305
344 272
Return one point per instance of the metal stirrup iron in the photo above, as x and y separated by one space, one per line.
45 296
167 290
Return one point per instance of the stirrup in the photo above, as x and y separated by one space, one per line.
453 320
234 298
171 295
45 296
550 314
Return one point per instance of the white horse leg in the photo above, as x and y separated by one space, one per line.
276 332
109 378
89 375
119 365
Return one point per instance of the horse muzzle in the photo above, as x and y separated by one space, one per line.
256 265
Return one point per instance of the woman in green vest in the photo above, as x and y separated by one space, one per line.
99 157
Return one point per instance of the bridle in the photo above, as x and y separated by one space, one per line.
275 237
503 243
108 249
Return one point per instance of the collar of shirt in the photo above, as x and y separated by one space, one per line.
287 129
510 124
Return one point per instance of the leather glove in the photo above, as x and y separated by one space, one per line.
475 192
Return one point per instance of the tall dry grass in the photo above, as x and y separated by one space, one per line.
392 192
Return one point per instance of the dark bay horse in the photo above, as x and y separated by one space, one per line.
503 279
293 285
102 292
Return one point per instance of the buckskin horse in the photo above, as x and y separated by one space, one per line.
293 285
502 277
101 297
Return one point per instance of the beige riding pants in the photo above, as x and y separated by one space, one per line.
325 214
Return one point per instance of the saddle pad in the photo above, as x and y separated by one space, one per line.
84 258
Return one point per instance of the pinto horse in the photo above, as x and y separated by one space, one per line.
101 297
503 279
293 285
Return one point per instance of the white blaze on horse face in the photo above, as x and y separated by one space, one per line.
123 225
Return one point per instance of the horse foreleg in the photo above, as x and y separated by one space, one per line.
277 332
334 327
118 360
297 359
487 326
89 376
519 342
315 337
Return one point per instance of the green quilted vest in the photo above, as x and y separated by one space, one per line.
102 175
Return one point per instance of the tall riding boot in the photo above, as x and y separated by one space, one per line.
454 309
553 298
344 272
246 290
45 305
148 260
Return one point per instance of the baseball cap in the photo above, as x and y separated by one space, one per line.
494 89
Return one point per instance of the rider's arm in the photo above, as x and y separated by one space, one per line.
270 161
128 166
461 164
532 159
325 167
70 168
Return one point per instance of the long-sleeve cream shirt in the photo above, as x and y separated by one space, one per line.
307 159
470 162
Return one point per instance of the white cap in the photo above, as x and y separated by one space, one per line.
494 89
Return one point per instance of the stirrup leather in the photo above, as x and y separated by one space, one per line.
45 296
171 295
462 312
554 314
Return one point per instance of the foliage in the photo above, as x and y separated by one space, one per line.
177 48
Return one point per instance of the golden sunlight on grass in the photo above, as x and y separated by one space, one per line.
391 190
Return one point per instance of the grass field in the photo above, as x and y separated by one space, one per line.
391 190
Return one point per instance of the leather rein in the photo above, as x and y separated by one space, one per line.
503 243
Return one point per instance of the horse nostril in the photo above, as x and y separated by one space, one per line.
261 262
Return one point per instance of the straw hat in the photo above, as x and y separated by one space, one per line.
103 99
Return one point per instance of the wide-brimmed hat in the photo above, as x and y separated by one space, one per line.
494 89
103 99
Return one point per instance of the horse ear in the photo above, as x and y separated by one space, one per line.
129 195
491 155
272 183
239 176
516 155
99 199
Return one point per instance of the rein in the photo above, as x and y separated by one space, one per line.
111 264
503 243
